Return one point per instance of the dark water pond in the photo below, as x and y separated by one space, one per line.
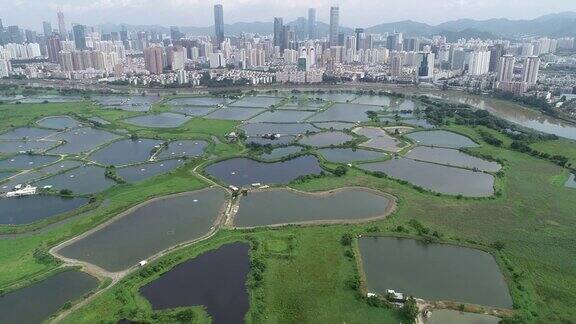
127 103
379 139
215 279
25 210
438 178
282 116
17 146
441 138
125 152
82 140
344 113
283 206
30 133
46 171
373 100
433 271
451 157
199 101
257 102
162 120
195 111
336 97
27 161
243 171
349 155
326 139
145 171
335 125
258 129
281 152
35 303
189 148
234 113
87 179
283 140
149 229
59 122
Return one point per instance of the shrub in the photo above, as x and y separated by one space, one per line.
346 239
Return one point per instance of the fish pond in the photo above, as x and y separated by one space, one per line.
282 116
59 122
198 101
27 161
235 113
257 102
86 179
145 171
259 129
149 229
451 157
243 171
284 206
215 279
571 182
441 138
29 133
344 113
20 146
330 138
29 209
437 178
162 120
82 140
35 303
125 152
195 111
281 152
433 271
350 155
189 148
379 139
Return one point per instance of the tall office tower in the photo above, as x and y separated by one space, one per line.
311 23
506 68
496 52
360 39
47 28
15 35
530 72
396 65
62 26
278 31
425 65
395 42
219 24
153 59
334 21
79 32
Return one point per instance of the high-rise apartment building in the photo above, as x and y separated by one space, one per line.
278 32
530 71
153 59
334 25
219 24
506 68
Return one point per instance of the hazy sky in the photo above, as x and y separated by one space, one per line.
30 13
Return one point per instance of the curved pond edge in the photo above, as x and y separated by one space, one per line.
98 271
391 208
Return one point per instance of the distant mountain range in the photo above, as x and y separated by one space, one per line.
552 25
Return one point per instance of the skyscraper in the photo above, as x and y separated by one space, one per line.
334 21
47 28
53 46
530 72
311 23
219 24
278 31
360 39
62 26
79 32
153 59
506 68
496 51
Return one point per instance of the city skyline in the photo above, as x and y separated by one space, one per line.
30 14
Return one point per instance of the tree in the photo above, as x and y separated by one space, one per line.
340 171
410 309
346 239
